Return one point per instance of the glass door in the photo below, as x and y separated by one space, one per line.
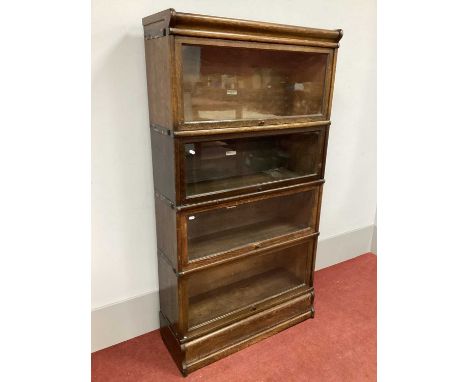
218 292
249 224
234 81
220 165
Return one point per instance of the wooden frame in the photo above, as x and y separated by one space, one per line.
184 125
264 278
246 310
170 179
172 241
170 22
182 198
176 285
187 265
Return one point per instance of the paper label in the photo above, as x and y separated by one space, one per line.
231 152
231 92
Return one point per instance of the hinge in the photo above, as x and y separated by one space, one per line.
151 35
160 129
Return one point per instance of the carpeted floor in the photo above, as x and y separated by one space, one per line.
339 344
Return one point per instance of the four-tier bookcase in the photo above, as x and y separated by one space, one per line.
239 117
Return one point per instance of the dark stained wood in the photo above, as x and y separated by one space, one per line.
240 198
172 236
250 282
192 355
165 67
164 165
237 230
176 349
157 22
308 158
166 230
235 182
236 237
250 37
160 78
248 129
250 224
324 151
238 335
202 330
323 91
168 290
278 242
221 27
317 223
331 84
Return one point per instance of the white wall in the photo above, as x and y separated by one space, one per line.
123 224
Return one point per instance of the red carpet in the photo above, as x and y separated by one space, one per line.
339 344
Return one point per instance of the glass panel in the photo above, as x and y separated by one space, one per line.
231 227
227 83
233 163
228 287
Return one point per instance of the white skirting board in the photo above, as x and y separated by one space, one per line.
123 320
335 249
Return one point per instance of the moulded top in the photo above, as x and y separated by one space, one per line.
171 22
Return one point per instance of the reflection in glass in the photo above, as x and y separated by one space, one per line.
236 285
227 228
227 83
234 163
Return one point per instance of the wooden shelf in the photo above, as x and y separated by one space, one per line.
238 237
225 299
239 181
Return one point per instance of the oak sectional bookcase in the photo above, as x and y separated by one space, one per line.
239 118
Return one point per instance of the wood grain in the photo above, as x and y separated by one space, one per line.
184 123
245 270
184 23
220 343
